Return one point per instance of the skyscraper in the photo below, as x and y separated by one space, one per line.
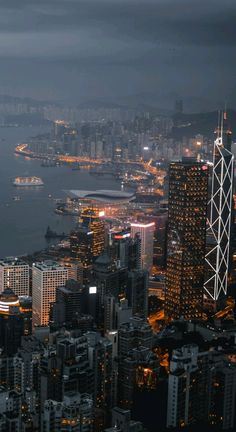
219 220
137 292
146 234
14 274
68 303
186 235
11 322
127 251
47 276
87 241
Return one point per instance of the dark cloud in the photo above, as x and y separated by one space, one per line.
81 48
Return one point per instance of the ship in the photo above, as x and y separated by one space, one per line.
28 181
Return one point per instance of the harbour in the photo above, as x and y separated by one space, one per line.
25 214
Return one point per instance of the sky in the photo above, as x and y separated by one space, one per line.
119 50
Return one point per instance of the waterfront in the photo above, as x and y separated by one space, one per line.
23 222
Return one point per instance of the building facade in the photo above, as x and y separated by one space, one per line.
146 233
47 276
14 274
219 220
188 192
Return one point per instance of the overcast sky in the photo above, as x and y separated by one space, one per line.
80 50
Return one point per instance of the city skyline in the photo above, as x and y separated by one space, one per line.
117 216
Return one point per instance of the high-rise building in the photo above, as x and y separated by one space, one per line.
116 312
47 276
100 361
87 241
11 322
227 133
219 220
126 250
136 332
188 192
137 292
109 279
68 303
201 388
14 274
138 370
146 233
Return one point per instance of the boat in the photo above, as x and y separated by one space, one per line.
28 181
16 198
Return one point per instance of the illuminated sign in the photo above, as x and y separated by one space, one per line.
5 306
121 236
143 225
93 290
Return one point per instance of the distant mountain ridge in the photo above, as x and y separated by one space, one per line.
189 125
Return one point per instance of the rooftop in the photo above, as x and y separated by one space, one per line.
12 261
103 195
48 265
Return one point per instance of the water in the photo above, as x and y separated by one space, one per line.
23 223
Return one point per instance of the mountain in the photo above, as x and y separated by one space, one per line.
189 125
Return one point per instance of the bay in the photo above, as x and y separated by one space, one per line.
23 223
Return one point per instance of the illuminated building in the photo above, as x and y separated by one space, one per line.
70 141
74 414
186 238
126 250
138 370
210 384
136 332
26 309
227 133
100 361
109 279
47 276
74 267
65 369
219 220
146 233
11 322
115 313
14 274
88 239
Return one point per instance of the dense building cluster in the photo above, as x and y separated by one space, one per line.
105 336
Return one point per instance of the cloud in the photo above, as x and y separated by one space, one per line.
115 46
